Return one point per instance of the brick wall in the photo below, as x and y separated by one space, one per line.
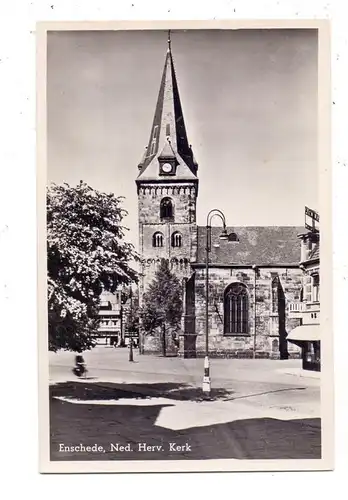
183 197
267 330
184 201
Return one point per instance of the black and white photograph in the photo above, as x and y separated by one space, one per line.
185 316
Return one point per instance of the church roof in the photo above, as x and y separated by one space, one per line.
257 245
168 127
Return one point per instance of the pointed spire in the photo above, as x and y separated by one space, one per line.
168 125
169 42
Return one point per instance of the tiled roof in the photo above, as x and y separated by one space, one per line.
259 245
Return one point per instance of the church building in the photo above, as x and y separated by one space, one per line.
254 274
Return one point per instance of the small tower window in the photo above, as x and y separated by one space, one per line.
155 132
166 209
154 140
176 240
157 240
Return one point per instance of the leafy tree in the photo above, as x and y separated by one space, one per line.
86 254
162 303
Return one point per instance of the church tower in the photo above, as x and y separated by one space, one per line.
167 186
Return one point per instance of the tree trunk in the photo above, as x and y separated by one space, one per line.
164 339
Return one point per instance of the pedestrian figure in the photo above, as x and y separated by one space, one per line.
80 366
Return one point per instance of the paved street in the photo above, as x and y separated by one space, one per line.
258 409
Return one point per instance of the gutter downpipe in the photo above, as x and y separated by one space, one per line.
255 269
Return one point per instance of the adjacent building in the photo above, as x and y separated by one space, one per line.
110 331
307 335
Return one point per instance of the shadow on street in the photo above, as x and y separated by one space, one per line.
111 391
135 427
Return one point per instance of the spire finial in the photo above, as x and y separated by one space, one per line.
169 41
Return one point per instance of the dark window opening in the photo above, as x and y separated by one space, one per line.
105 306
236 309
167 130
176 240
166 209
315 288
157 240
153 148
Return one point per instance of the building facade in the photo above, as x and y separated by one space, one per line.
307 335
252 281
253 277
110 330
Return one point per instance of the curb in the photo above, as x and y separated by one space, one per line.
311 375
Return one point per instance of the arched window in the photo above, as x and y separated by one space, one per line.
157 240
176 240
166 209
236 309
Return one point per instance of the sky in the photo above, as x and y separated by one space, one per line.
249 100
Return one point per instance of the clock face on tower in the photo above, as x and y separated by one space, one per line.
167 168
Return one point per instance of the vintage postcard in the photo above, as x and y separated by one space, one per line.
184 214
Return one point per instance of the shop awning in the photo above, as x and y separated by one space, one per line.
305 333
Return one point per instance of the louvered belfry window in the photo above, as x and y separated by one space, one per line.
236 309
166 209
157 240
176 240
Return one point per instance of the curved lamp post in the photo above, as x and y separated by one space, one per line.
130 332
223 236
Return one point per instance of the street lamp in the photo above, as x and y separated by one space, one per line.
223 236
130 322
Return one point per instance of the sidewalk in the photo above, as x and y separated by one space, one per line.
113 364
300 372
